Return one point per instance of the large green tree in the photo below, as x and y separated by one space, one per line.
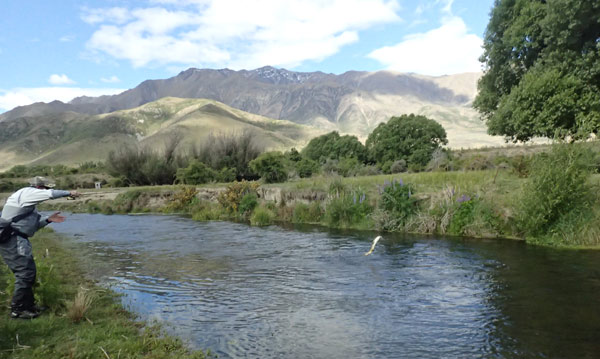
542 69
412 138
334 146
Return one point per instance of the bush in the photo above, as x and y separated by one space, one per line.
182 199
521 165
233 151
195 173
120 181
262 216
463 216
141 166
47 288
397 198
226 174
270 167
304 213
398 166
337 187
248 203
306 167
557 188
477 163
348 166
330 166
368 170
206 211
348 210
232 196
386 167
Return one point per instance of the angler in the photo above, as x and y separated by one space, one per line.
19 221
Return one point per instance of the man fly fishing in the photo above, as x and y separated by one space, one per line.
21 220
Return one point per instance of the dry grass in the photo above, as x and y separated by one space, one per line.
80 305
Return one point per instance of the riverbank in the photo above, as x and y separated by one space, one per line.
479 204
83 320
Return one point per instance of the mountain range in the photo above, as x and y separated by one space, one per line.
352 103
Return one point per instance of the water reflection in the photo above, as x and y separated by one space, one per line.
277 292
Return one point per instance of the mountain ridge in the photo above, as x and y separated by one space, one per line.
354 102
74 138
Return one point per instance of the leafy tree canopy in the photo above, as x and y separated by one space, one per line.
409 137
334 146
542 74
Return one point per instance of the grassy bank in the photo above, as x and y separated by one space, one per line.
83 320
485 204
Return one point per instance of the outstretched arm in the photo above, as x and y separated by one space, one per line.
58 193
53 218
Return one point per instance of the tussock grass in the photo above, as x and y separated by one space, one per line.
80 305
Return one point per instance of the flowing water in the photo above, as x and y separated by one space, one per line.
273 292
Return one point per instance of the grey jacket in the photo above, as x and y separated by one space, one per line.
25 200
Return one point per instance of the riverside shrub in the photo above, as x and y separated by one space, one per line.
232 196
398 199
463 215
195 173
307 213
248 203
262 216
557 188
270 167
348 209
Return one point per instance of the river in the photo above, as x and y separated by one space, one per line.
305 292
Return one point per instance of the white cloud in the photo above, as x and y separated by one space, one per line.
63 79
234 33
117 15
447 5
448 49
110 80
12 98
67 38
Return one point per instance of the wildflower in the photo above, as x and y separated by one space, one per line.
463 198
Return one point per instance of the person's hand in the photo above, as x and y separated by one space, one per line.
74 194
56 218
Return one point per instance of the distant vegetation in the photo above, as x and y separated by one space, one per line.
221 158
553 202
406 142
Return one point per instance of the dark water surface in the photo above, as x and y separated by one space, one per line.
247 292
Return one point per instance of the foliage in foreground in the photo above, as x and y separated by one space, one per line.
558 193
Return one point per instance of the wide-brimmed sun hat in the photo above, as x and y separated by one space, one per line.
39 181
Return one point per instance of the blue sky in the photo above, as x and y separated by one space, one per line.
62 49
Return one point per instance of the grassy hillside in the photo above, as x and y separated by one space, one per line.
72 138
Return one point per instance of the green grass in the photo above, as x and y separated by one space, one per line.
107 330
